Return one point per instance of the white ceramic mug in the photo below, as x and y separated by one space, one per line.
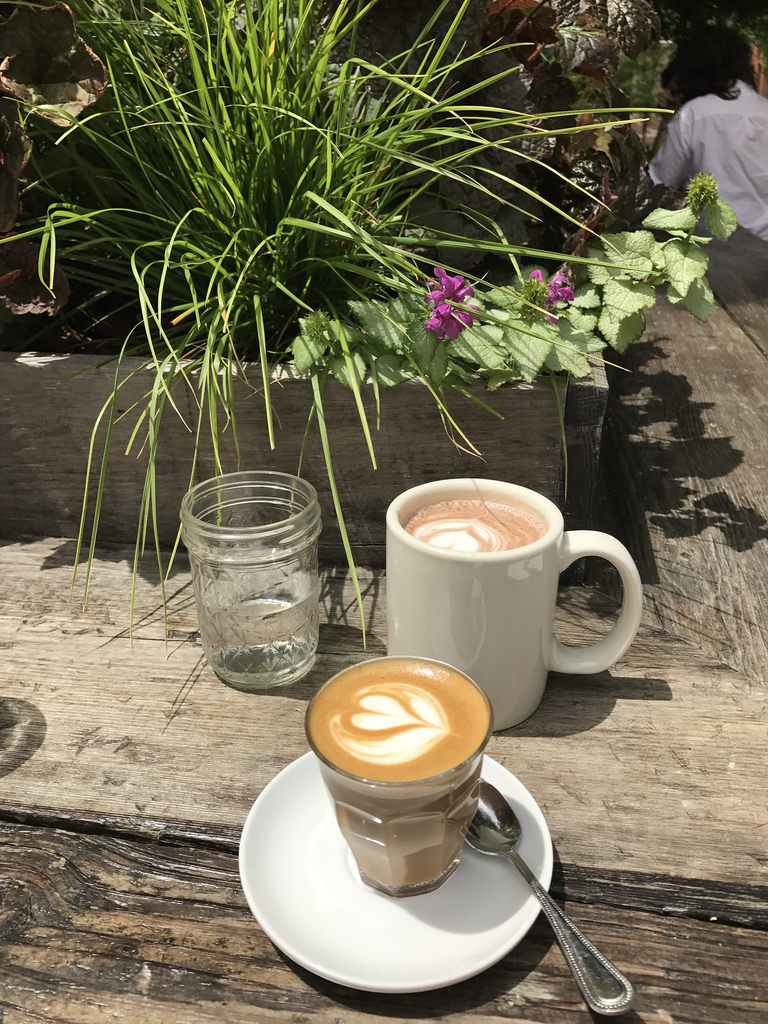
491 614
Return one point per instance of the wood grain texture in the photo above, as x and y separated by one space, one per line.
103 727
685 480
105 928
49 404
738 274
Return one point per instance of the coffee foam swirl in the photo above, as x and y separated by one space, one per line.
390 725
474 526
461 534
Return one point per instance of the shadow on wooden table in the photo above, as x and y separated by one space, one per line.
22 731
657 444
576 704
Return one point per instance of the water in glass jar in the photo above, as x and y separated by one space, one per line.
263 641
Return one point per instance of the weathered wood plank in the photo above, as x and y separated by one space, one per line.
97 929
738 273
624 764
685 481
49 404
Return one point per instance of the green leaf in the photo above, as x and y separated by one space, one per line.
379 324
563 359
529 352
638 250
437 366
698 300
481 345
601 275
423 347
570 354
685 262
308 350
671 220
586 296
500 299
721 220
622 298
583 339
340 370
391 370
496 378
620 333
579 320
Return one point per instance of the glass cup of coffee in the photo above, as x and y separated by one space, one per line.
400 746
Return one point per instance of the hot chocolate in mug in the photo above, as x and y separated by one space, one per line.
474 584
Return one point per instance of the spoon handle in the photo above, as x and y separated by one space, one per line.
602 984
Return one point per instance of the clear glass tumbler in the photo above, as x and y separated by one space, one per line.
252 543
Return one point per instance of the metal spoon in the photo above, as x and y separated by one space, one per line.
496 830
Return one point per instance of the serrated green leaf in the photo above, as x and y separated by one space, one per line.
671 220
584 340
621 333
496 378
637 243
340 370
437 366
587 296
392 370
580 321
638 249
497 298
379 324
685 262
721 220
307 351
564 359
622 298
529 352
407 310
423 346
480 345
600 275
699 300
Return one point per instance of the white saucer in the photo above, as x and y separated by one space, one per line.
301 885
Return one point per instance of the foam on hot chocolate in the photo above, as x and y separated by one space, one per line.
398 719
475 526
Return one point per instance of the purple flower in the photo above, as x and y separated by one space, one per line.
448 322
448 289
558 291
445 320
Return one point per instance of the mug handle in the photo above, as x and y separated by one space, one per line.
600 656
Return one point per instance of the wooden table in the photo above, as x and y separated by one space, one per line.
127 770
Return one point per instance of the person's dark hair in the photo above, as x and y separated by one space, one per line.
710 60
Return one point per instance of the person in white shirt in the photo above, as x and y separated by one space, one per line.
721 127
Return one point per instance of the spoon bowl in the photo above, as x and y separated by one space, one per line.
495 830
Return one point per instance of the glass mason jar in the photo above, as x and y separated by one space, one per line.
252 543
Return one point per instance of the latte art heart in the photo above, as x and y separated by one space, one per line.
390 726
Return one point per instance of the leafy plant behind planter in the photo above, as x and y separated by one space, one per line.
45 67
270 196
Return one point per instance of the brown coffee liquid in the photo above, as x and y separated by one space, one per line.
398 719
475 526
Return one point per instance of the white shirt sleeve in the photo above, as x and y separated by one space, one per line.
672 164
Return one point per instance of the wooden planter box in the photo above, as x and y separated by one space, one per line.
48 405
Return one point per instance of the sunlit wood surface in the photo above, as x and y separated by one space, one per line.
128 769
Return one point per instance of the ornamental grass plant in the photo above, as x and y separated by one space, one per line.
262 194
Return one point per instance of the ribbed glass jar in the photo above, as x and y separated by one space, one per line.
252 543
